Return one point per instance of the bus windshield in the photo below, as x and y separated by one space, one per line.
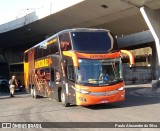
101 72
97 42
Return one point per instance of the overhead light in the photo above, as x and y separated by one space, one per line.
104 6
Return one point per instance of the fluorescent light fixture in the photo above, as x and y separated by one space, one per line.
152 31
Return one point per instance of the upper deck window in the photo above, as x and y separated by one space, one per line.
95 42
65 42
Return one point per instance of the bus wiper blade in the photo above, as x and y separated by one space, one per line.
114 81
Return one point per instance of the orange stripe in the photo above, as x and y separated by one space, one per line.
73 55
98 56
76 55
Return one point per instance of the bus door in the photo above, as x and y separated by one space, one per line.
56 76
71 84
70 79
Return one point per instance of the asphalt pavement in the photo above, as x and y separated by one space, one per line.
140 106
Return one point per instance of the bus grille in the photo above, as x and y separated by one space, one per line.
108 93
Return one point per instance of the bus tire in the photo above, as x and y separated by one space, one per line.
63 99
35 93
59 94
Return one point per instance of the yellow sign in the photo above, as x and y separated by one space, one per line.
42 63
51 41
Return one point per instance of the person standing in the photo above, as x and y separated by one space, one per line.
13 83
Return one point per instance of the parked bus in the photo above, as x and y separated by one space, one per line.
76 66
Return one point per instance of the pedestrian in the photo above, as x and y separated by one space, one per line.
13 84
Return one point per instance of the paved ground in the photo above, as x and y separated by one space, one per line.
137 108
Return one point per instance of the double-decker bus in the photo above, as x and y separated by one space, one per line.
76 66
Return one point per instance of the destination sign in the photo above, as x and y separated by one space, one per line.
43 63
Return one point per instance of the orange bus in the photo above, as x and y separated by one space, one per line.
76 66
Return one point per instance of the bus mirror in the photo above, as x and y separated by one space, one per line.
130 55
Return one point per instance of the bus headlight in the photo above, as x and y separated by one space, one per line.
80 91
121 88
84 92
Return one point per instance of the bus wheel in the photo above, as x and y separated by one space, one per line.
35 93
63 99
59 94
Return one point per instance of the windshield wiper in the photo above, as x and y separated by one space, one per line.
116 80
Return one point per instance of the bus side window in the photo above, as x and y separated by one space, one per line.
26 57
45 51
40 55
70 70
47 74
54 48
36 53
65 42
52 74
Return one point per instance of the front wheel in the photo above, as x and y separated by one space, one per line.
63 99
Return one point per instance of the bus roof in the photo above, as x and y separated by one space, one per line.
68 30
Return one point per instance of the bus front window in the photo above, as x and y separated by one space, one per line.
101 72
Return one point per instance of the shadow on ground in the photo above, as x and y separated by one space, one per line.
131 100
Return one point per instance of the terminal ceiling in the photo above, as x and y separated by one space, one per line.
122 17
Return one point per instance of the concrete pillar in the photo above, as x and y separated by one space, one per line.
152 19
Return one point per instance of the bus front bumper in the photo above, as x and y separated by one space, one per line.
100 97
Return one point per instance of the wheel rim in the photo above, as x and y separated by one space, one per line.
63 97
31 91
34 92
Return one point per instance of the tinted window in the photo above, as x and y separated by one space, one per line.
40 54
36 53
65 42
47 74
54 48
91 41
52 74
46 52
71 73
43 74
26 57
